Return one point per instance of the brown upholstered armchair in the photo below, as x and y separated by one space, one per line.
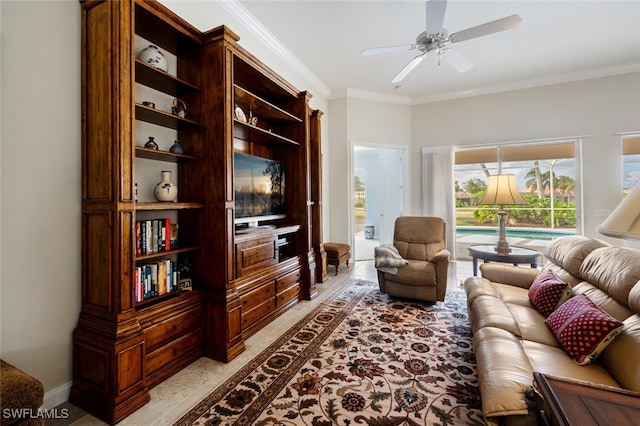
421 242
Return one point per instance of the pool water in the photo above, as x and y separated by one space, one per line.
529 234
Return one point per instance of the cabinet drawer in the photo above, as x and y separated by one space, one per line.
254 255
287 295
259 312
172 351
257 296
171 328
287 281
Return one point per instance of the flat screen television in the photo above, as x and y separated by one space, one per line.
258 185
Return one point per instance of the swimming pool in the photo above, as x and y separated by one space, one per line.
526 233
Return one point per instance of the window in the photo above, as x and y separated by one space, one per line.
545 175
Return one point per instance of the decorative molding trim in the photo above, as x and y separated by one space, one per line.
57 396
369 96
529 84
239 12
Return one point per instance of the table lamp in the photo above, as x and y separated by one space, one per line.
624 220
501 191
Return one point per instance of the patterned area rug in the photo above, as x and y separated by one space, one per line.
359 358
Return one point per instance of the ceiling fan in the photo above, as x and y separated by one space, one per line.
436 38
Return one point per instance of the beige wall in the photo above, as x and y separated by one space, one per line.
598 109
40 162
40 216
358 121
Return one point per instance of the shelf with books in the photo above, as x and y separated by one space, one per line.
166 253
150 206
153 300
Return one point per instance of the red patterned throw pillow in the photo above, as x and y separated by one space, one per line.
583 329
548 291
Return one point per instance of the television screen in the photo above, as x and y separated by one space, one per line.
258 184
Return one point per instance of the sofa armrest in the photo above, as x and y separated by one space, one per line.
442 255
505 376
509 274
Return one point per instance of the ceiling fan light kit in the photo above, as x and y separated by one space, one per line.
436 38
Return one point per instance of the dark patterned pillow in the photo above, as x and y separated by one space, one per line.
548 292
583 329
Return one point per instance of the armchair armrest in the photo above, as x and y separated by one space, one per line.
509 274
440 256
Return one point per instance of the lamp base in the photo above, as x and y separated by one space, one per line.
502 247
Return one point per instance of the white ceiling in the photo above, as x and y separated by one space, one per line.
557 41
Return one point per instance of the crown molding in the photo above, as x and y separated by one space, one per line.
255 27
369 96
529 84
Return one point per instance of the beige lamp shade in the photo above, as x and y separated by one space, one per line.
502 190
624 220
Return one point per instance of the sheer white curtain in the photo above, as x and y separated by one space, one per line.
438 198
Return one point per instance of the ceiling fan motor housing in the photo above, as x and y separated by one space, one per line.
429 42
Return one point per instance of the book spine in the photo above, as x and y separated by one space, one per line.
154 279
149 237
167 234
138 239
154 235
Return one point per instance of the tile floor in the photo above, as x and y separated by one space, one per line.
171 399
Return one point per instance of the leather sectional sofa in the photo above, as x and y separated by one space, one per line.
512 338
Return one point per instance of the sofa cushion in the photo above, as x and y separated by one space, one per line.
617 360
555 362
569 252
548 291
615 271
583 329
489 311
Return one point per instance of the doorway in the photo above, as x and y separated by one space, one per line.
378 195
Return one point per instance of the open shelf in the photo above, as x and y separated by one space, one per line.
162 81
154 300
161 118
261 108
168 206
247 132
165 253
167 156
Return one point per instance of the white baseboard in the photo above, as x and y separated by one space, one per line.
56 396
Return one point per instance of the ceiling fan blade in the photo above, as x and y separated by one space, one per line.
496 26
408 68
455 60
387 49
435 16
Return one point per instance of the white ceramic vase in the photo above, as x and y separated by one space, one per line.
166 190
154 57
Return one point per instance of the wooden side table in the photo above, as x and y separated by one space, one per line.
563 401
488 254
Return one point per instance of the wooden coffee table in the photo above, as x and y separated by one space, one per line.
488 254
563 401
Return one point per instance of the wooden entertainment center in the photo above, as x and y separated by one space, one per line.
128 338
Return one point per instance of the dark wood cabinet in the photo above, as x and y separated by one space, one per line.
564 402
125 343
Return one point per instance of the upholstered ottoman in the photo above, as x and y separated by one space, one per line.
337 253
19 391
